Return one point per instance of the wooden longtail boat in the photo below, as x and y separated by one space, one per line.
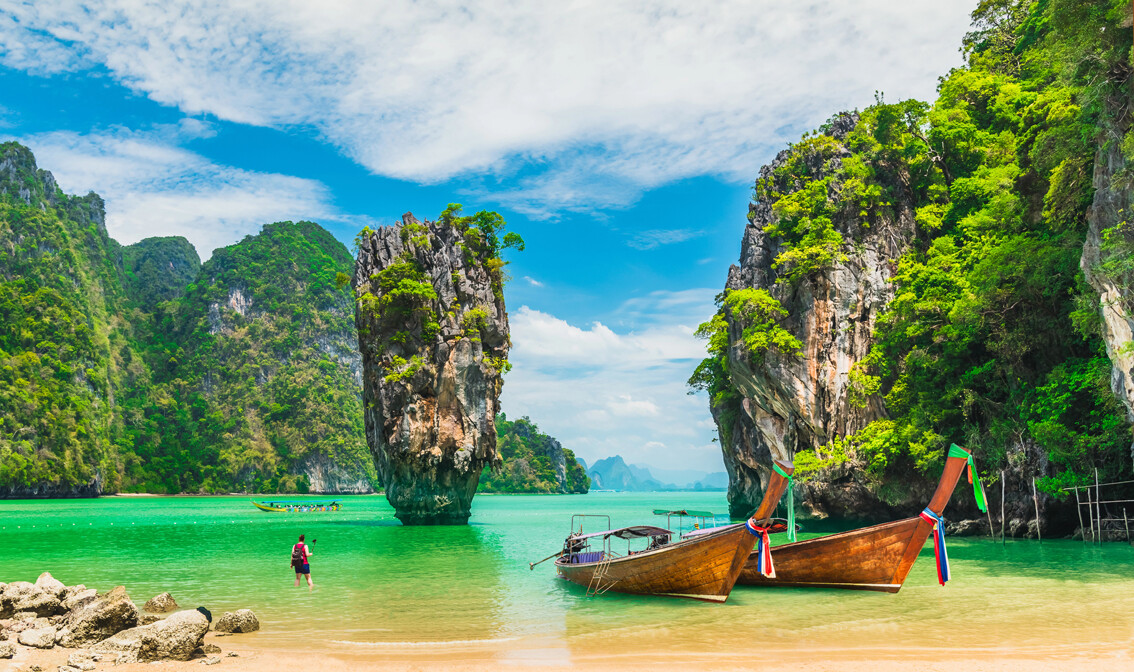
702 565
870 558
301 506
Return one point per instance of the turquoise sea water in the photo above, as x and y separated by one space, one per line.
468 592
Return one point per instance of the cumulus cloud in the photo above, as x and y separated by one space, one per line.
595 101
604 392
152 186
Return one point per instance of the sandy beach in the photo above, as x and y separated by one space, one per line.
313 656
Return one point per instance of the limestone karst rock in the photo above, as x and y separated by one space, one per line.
434 338
795 402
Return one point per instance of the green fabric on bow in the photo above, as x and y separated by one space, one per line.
974 478
790 501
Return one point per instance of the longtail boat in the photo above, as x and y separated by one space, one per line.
870 558
298 506
701 565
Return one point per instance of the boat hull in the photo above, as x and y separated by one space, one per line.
702 568
871 558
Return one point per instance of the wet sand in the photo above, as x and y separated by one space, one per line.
316 656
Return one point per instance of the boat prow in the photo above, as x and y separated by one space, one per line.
877 558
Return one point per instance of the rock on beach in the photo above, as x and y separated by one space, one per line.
161 604
241 620
39 638
174 638
99 619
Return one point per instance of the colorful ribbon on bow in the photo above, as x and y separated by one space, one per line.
938 544
763 549
790 500
974 478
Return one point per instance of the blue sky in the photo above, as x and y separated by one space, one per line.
620 139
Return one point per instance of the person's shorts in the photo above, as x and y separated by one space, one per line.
305 568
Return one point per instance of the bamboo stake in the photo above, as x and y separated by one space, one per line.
1003 484
988 512
1098 507
1035 498
1127 522
1079 510
1091 514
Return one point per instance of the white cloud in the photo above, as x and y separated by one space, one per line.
152 186
532 281
597 99
648 240
603 392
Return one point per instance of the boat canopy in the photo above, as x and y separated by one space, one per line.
633 532
707 530
300 502
685 512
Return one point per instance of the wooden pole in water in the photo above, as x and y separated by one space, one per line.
1003 487
1035 498
988 512
1090 513
1098 505
1079 510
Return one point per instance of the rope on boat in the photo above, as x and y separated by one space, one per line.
763 549
974 478
790 500
938 543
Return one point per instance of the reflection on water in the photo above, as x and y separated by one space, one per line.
466 593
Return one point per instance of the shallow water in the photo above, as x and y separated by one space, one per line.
467 593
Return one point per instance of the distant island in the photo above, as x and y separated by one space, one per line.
612 473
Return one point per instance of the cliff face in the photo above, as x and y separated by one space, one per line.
61 344
797 402
268 348
1110 213
434 338
134 368
912 280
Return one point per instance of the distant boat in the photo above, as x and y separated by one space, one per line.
870 558
298 506
701 565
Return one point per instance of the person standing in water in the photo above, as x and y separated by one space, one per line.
299 555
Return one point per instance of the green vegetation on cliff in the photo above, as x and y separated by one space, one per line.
137 369
261 359
532 462
992 340
63 344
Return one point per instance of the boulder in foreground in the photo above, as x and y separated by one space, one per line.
40 638
173 638
98 619
241 620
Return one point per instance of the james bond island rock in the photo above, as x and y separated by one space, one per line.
434 338
910 278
